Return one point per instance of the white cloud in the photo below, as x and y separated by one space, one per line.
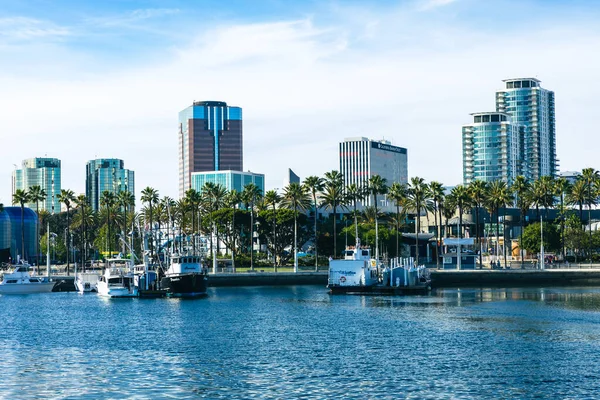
22 28
431 4
304 87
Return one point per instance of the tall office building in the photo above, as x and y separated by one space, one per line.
361 158
492 148
106 174
532 106
43 172
210 139
290 177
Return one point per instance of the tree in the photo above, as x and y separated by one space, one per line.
522 190
37 194
436 191
397 193
542 194
562 188
578 196
251 195
591 177
81 202
498 197
418 196
478 191
21 197
574 234
377 185
108 201
193 199
66 196
272 198
462 199
333 198
150 196
314 185
531 240
295 197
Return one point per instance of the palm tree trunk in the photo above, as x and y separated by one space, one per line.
68 231
22 231
397 231
418 228
504 235
334 231
478 234
376 233
252 237
316 247
437 238
295 240
521 236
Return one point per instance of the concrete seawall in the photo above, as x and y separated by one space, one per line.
268 279
555 277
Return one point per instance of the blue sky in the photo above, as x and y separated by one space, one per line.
106 79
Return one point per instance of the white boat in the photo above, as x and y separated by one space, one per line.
186 277
20 281
87 282
118 279
356 272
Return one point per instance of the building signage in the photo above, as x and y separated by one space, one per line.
388 147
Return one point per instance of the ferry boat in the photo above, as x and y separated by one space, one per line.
118 279
20 281
356 272
185 277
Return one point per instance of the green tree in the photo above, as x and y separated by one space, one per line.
67 197
150 197
591 177
314 185
333 198
272 198
522 191
562 188
437 194
252 194
377 185
21 197
478 191
418 198
295 197
532 238
108 201
37 194
397 193
499 196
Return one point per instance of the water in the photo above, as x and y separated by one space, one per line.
299 342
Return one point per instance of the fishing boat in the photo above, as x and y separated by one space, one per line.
20 281
185 277
118 279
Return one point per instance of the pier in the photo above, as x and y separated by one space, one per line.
553 277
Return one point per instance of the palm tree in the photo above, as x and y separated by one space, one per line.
478 192
562 187
150 196
37 194
108 201
81 202
498 197
578 196
295 197
542 194
397 193
252 195
462 200
193 198
437 193
314 185
66 196
590 176
232 200
377 185
21 197
417 200
354 194
332 198
272 198
125 199
522 190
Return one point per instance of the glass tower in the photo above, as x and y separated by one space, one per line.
106 174
532 106
210 139
228 179
43 172
492 148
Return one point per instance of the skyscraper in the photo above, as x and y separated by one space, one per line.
230 180
492 148
532 106
106 174
361 158
210 139
43 172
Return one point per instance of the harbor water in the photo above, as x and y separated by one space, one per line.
300 342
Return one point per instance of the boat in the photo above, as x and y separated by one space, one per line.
118 279
185 277
358 273
87 282
20 281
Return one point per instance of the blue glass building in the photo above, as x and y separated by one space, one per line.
10 233
228 179
210 139
107 174
533 107
492 148
42 172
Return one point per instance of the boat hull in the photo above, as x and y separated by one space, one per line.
380 290
185 285
117 292
27 288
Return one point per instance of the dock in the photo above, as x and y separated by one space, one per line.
518 277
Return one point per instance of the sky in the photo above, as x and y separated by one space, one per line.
84 80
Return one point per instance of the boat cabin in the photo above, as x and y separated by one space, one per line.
185 265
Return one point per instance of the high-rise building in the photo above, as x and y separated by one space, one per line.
106 174
290 177
228 179
361 158
42 172
532 106
210 139
492 148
